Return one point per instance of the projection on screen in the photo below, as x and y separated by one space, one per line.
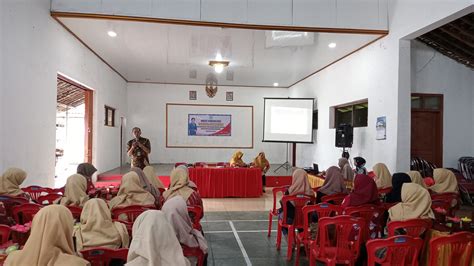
288 120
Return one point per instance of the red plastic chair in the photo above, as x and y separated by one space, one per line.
298 201
199 164
274 210
10 202
4 233
461 248
128 225
35 191
384 191
413 227
24 213
399 250
76 212
322 210
339 240
131 212
441 204
48 199
178 164
194 252
196 216
58 190
374 217
103 256
337 198
453 199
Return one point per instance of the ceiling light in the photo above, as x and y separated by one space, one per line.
218 65
112 33
332 45
275 84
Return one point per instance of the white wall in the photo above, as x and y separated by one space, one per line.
432 72
35 48
147 110
381 73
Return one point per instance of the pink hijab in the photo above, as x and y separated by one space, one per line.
300 184
334 182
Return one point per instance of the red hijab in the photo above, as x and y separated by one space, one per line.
365 192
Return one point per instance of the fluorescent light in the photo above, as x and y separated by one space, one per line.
218 57
112 33
275 84
218 68
332 45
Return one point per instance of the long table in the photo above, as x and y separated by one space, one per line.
227 182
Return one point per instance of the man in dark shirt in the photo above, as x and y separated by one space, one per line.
138 149
192 127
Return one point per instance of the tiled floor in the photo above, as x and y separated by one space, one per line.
264 203
240 238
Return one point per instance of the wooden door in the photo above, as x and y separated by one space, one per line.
427 133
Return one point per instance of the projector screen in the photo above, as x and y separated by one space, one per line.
288 120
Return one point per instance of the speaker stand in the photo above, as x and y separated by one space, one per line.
286 165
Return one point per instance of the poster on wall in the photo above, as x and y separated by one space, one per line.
209 125
381 128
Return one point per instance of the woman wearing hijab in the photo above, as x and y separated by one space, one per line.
346 169
146 184
176 213
50 241
191 184
395 195
261 162
97 228
151 175
237 161
179 186
365 192
87 170
131 192
417 178
359 163
333 183
445 181
383 176
154 242
299 186
10 182
416 203
74 192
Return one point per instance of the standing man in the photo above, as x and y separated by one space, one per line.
138 149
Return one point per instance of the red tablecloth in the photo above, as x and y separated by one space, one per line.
227 182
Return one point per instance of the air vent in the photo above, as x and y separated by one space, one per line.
193 74
229 75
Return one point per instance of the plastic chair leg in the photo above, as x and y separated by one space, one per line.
270 221
297 259
291 235
279 236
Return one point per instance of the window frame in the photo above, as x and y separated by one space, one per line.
334 109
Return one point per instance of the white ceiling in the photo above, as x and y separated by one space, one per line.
167 53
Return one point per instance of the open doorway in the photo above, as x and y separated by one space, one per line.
73 128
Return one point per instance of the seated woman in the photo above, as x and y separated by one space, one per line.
383 177
10 183
50 241
87 170
131 193
191 184
299 186
359 163
365 192
154 242
74 191
146 184
395 195
417 178
97 228
151 175
180 186
333 183
237 161
445 181
416 203
176 213
261 162
346 169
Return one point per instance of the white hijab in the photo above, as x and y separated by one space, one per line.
154 242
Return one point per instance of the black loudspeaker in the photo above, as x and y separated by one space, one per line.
344 136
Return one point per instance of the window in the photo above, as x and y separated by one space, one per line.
109 116
426 101
354 114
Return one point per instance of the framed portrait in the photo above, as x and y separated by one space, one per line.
229 96
192 95
109 116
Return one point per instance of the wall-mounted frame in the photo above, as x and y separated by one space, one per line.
229 96
192 95
177 129
109 116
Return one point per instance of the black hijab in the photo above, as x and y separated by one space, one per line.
398 179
